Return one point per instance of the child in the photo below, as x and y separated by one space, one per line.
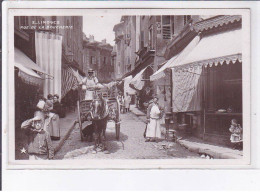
39 144
236 136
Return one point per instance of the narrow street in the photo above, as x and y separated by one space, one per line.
132 144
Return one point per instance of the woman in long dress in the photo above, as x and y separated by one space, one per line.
51 123
154 116
55 118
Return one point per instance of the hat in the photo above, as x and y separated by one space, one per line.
39 114
156 97
90 71
37 118
41 104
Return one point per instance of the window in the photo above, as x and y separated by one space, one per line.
186 19
151 37
224 87
166 27
92 60
104 61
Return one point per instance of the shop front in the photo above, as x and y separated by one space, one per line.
207 86
141 84
163 76
29 79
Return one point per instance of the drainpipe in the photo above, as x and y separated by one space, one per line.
171 84
204 101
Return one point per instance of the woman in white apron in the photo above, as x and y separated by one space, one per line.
154 115
88 84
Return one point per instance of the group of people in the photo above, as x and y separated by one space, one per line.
43 128
124 102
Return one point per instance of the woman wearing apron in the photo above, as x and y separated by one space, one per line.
154 115
88 84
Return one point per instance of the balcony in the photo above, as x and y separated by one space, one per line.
144 54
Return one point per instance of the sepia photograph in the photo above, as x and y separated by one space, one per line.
129 86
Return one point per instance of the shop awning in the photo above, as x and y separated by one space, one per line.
216 49
186 90
21 59
186 75
174 61
25 66
137 82
127 88
76 74
69 80
160 72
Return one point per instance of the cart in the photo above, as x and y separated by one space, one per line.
111 96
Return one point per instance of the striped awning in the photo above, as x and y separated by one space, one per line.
69 80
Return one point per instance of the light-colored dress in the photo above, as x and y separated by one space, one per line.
153 127
236 135
54 126
127 101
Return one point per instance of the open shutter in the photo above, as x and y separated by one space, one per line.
166 27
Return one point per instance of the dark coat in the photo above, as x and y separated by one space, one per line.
56 108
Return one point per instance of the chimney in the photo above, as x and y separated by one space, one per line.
104 41
91 38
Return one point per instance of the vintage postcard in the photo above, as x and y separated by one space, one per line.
127 88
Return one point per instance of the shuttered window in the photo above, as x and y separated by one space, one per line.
166 27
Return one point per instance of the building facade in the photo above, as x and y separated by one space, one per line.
72 41
98 56
65 28
149 37
120 50
207 84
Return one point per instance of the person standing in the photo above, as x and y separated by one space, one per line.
122 104
56 105
52 122
50 100
154 115
127 102
89 83
39 142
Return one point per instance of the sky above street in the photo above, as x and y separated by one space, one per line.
101 26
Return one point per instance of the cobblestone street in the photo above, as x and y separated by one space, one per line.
132 144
